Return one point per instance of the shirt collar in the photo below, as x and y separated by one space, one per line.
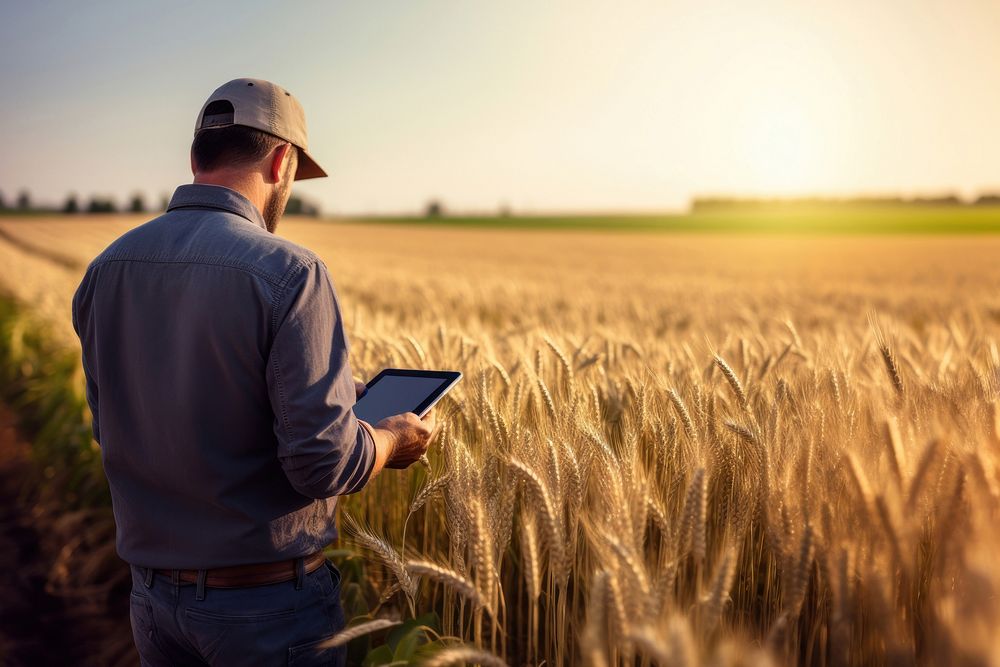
202 195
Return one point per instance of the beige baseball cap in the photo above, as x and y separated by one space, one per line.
264 106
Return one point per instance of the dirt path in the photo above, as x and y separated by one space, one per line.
33 626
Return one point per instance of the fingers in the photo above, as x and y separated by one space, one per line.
415 436
434 431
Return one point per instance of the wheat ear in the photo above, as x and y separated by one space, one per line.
482 550
448 577
887 356
685 416
714 602
563 359
693 519
460 655
800 575
382 549
529 551
429 491
360 630
547 398
550 516
733 381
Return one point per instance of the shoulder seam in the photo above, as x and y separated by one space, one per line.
205 260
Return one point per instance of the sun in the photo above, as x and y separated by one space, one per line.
783 151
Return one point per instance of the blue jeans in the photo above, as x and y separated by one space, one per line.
274 624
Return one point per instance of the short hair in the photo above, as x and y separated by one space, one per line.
214 147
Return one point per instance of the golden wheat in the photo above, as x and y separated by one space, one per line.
833 501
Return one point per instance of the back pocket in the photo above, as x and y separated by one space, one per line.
205 615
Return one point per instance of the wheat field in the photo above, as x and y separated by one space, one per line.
669 449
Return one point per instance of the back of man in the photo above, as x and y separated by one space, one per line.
186 310
217 372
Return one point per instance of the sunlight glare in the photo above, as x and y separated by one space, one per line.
783 150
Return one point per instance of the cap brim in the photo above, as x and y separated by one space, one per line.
307 167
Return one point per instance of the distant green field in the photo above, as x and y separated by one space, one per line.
946 219
873 220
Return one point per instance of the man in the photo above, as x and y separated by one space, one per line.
217 372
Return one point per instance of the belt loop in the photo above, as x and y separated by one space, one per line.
148 580
300 573
200 591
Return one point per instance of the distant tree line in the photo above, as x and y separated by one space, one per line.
299 206
722 204
435 208
136 203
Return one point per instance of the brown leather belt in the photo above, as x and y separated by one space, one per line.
252 574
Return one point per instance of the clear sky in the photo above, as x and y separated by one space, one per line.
544 106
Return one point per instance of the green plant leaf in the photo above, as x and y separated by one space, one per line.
381 655
408 643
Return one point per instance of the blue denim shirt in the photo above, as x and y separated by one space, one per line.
217 372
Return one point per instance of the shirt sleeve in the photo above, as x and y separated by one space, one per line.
88 370
321 446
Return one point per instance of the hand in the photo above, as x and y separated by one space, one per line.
412 436
359 389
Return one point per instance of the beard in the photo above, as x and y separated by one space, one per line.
274 207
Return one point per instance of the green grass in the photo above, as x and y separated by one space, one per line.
845 220
43 382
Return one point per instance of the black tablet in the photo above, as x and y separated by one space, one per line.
397 390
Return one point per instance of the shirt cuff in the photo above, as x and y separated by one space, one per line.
368 427
371 434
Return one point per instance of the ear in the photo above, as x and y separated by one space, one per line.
194 169
278 161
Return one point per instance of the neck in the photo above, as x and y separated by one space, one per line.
247 186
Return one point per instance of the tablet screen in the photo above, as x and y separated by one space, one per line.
395 394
